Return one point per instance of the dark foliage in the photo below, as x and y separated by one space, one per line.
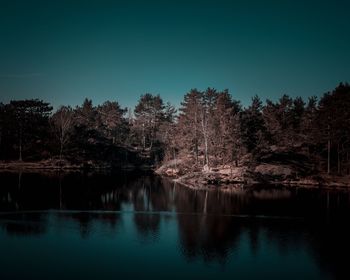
211 128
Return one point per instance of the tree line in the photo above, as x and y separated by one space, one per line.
209 129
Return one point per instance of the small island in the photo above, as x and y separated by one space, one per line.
211 141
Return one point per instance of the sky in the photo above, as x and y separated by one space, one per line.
62 51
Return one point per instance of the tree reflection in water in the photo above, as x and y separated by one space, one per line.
211 225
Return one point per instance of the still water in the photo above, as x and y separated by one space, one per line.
137 225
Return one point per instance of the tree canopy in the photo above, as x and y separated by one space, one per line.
210 127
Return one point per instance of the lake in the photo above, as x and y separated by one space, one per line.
133 225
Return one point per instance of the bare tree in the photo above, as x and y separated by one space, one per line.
63 123
149 113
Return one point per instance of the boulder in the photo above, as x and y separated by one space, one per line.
274 171
171 172
171 167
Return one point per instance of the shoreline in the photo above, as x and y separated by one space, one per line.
56 165
243 177
198 180
292 184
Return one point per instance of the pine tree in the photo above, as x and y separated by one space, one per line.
207 121
30 124
333 121
226 143
189 123
253 128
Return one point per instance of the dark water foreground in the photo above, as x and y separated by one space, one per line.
139 226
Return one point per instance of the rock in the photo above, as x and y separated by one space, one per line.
206 168
275 171
169 168
171 171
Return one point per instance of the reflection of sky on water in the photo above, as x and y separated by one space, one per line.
142 220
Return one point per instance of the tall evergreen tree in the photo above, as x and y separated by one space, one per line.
113 124
30 120
226 140
334 125
253 128
189 123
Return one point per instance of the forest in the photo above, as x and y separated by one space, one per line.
210 129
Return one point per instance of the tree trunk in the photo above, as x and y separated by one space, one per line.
143 136
175 158
329 153
339 163
196 136
196 151
206 151
0 138
20 149
205 135
152 138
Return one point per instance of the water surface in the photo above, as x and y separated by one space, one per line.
128 225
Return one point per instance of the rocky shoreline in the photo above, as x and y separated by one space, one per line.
231 177
222 177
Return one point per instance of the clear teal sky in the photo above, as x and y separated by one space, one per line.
63 51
